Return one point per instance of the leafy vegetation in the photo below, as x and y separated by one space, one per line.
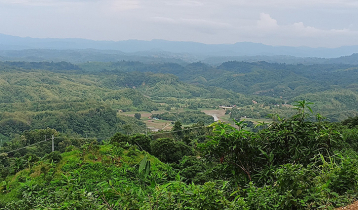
187 117
103 160
331 86
292 164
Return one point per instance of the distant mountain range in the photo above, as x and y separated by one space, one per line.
8 42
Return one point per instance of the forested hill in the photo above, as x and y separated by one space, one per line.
332 87
68 102
70 97
350 59
259 78
91 55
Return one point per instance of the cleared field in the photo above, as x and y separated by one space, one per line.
218 114
158 124
150 123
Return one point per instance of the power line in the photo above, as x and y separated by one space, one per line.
59 137
44 141
26 146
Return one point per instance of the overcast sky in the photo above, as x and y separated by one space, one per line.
314 23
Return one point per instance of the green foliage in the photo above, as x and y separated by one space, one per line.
139 140
343 179
169 150
120 138
142 141
54 156
34 136
191 169
11 126
293 163
43 65
187 117
144 167
238 149
257 175
137 116
351 122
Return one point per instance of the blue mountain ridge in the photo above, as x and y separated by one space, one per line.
8 42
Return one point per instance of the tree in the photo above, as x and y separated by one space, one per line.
142 141
169 150
137 116
119 137
178 129
127 128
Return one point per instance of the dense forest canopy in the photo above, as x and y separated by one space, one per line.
332 87
62 95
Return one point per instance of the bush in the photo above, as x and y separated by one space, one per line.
119 138
142 141
191 168
170 151
54 156
344 178
137 116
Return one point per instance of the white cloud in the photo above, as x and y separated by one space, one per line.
204 26
121 5
297 34
266 22
111 5
299 29
307 31
36 3
193 22
184 3
292 3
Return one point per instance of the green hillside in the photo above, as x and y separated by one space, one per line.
331 87
72 103
292 164
67 97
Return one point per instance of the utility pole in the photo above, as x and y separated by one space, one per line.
53 143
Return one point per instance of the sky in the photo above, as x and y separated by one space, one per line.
312 23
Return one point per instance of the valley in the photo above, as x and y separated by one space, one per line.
141 132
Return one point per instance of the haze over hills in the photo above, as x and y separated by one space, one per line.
8 42
92 55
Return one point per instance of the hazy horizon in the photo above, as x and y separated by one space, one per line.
175 41
310 23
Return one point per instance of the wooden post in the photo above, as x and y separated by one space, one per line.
53 143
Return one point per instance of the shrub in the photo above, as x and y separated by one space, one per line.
142 141
54 156
119 137
170 151
137 116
